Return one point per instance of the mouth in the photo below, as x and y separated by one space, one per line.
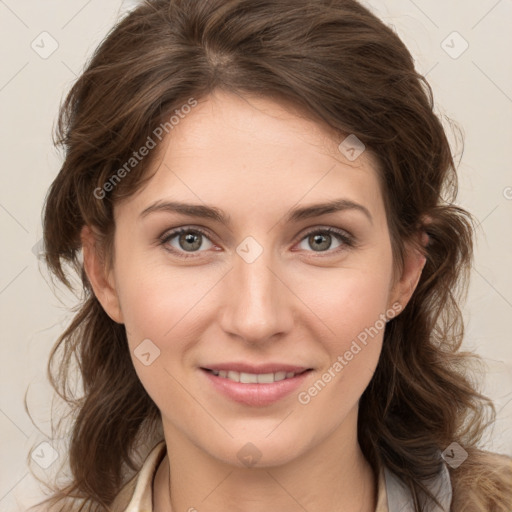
259 387
255 378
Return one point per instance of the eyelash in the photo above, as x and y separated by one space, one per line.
347 239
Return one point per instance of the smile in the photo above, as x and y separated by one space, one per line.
254 378
255 389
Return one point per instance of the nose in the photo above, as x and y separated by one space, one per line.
257 304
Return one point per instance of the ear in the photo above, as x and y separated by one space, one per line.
414 261
100 277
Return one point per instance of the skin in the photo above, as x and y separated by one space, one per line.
256 160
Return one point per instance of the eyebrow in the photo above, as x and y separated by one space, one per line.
295 214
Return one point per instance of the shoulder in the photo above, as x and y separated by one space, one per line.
482 483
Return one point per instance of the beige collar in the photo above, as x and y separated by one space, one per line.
392 494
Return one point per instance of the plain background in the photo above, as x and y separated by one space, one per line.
474 88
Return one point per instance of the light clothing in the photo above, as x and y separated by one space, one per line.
392 496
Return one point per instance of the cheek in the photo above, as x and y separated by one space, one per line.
352 303
161 311
168 307
156 300
347 300
356 317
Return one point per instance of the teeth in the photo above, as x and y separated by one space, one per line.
248 378
266 378
253 378
234 376
279 376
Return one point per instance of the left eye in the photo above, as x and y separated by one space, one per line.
321 239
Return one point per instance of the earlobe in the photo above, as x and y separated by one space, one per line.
99 276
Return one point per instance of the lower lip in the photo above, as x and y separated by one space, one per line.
256 395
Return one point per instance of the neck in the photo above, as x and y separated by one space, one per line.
331 476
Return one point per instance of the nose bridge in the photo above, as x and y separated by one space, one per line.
258 305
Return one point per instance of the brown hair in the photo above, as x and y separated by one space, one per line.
344 68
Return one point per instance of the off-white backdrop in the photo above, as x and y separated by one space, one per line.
463 47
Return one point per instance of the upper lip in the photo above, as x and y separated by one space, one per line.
258 369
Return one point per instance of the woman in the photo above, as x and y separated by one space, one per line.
272 264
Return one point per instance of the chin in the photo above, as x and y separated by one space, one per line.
257 451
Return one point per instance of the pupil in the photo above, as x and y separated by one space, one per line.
190 238
317 240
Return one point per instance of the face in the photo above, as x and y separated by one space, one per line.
254 281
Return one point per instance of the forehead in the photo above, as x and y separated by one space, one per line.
225 120
254 152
